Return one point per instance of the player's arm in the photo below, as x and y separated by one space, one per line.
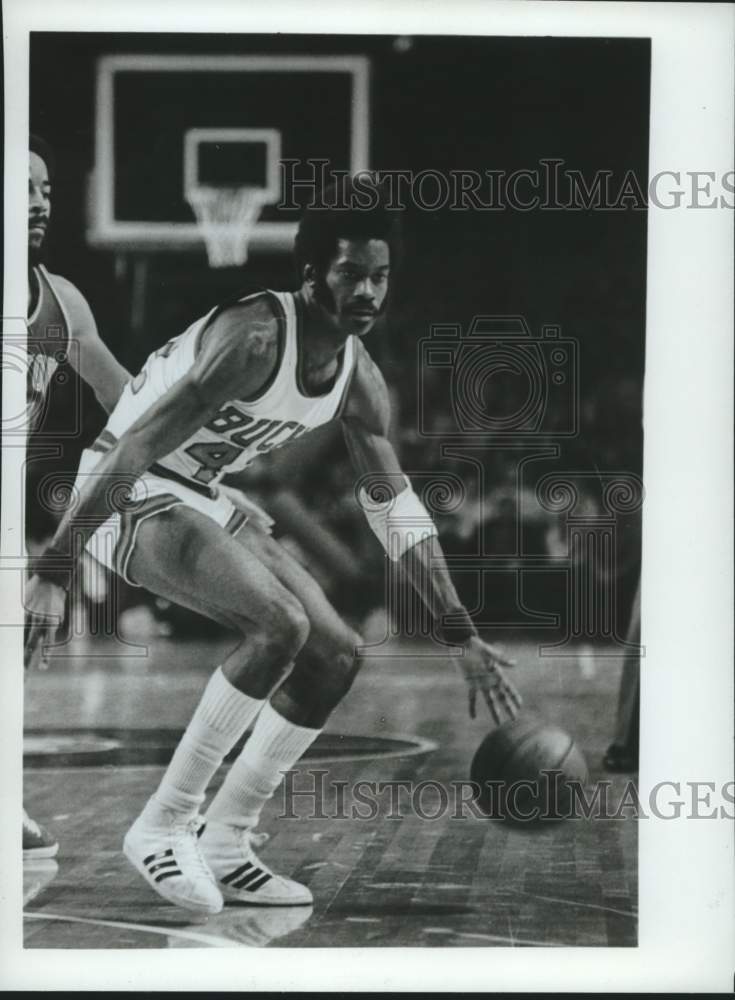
237 355
93 360
408 534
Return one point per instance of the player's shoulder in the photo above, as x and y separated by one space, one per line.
368 399
367 373
65 289
73 301
250 324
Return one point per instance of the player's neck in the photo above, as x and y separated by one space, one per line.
322 339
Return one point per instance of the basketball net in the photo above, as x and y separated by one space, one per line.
226 218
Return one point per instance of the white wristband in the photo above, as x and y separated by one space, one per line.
399 523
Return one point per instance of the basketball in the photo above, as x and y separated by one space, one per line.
524 769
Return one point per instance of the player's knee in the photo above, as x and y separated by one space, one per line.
286 628
323 675
341 666
297 628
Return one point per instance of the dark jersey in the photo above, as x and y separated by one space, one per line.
48 341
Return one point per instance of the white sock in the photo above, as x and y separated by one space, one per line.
220 719
274 746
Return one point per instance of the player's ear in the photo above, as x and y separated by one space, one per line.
310 274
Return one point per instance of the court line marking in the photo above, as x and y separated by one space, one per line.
513 942
418 745
416 885
588 906
214 941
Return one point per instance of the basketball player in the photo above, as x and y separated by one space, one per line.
57 310
252 375
57 314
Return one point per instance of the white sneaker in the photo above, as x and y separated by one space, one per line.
38 843
168 856
241 875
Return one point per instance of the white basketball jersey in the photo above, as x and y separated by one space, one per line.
242 429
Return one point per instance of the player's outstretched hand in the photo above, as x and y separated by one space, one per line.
44 604
257 517
482 668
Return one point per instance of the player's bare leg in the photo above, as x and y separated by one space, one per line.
186 557
295 714
328 662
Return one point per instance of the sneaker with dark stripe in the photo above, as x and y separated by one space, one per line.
164 847
241 875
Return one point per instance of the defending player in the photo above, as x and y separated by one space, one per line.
250 376
57 310
57 314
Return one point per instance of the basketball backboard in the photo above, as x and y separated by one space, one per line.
165 122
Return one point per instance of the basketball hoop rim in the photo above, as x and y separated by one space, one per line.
226 217
253 198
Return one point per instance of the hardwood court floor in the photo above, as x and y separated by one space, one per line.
99 727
